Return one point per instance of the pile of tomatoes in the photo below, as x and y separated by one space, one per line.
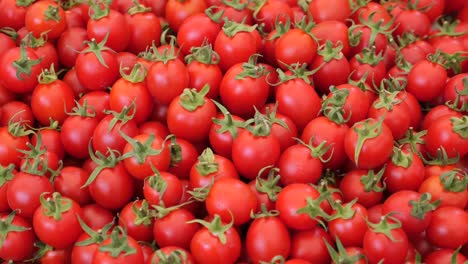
234 131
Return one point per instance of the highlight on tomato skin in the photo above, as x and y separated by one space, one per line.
233 131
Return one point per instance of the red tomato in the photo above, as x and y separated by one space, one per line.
128 252
45 16
144 29
364 185
348 223
178 11
18 238
448 227
310 245
172 227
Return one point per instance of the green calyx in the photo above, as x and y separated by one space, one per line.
447 28
269 185
441 158
366 130
83 110
231 28
36 161
460 126
371 181
227 124
297 71
402 158
6 174
413 139
238 5
191 99
143 214
167 54
7 226
123 117
137 75
280 29
141 150
119 244
157 183
48 76
175 257
450 61
102 161
455 180
138 8
342 211
458 104
99 9
376 28
368 56
203 54
264 213
391 85
332 106
387 100
214 16
329 52
32 42
306 25
10 32
385 226
199 194
52 13
24 3
252 69
95 236
340 255
319 151
420 207
54 206
18 129
68 4
97 49
176 152
260 125
207 164
216 227
24 65
314 210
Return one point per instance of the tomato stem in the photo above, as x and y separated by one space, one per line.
207 164
423 205
6 226
54 206
216 227
24 65
119 244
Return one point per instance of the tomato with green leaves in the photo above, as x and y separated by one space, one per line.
16 237
118 248
88 242
215 242
369 143
189 115
263 245
144 28
20 67
13 139
45 17
183 156
449 133
334 31
386 241
427 78
163 188
445 256
404 171
236 43
368 65
268 13
44 49
347 223
171 254
450 187
55 215
136 218
365 185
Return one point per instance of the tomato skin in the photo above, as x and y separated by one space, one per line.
45 226
178 11
166 81
444 256
69 183
350 231
96 216
173 229
352 187
426 80
375 151
113 24
141 231
375 72
9 146
83 254
334 72
253 91
433 185
101 257
448 227
378 246
201 74
299 101
87 66
324 10
69 44
207 248
226 169
76 134
188 157
236 49
288 51
37 22
397 118
155 258
263 245
292 198
297 165
190 125
144 28
248 153
110 181
221 143
103 138
8 72
16 111
195 30
17 245
12 15
24 191
52 100
310 245
399 178
441 134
